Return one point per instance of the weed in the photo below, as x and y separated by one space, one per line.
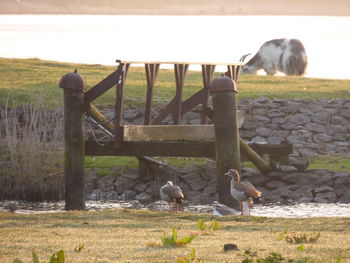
192 258
55 258
173 241
79 248
299 238
202 226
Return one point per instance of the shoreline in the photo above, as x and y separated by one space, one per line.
179 7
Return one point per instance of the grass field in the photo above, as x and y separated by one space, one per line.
134 236
27 80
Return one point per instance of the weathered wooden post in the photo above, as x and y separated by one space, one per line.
73 85
227 150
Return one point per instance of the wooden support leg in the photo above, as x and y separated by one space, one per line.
74 87
226 135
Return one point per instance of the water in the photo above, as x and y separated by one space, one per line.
297 210
101 39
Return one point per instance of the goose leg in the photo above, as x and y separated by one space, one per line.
241 208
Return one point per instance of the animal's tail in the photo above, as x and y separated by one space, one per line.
295 61
296 65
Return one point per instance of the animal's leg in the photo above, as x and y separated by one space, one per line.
241 208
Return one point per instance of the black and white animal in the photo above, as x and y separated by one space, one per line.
283 55
172 193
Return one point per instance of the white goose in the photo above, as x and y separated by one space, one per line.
171 193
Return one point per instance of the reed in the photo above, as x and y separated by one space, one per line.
31 143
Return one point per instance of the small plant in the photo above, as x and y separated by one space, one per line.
202 226
192 258
173 241
299 238
79 248
55 258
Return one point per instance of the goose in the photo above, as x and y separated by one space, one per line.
242 191
172 193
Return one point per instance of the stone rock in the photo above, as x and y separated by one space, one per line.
198 185
144 197
278 120
140 188
275 113
321 117
315 127
192 178
123 184
338 120
326 197
210 189
271 185
258 139
345 197
193 196
261 119
322 137
299 119
287 168
248 124
128 195
247 134
323 188
263 131
276 140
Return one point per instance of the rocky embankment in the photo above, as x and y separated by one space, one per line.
199 185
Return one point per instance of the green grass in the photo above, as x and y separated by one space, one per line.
126 235
328 162
28 79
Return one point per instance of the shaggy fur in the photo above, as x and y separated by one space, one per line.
283 55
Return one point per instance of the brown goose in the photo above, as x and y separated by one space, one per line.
172 193
242 191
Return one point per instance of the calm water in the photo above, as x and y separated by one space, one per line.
103 39
301 210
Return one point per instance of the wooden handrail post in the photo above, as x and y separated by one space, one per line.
73 85
227 150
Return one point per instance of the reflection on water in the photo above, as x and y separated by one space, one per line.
269 210
101 39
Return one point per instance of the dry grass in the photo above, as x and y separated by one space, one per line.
31 152
123 236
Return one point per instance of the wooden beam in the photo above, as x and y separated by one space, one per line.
141 133
103 86
164 112
118 132
207 74
151 74
168 149
180 74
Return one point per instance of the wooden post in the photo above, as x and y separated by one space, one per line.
227 150
74 86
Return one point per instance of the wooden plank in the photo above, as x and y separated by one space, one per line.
118 133
186 62
192 101
103 86
151 74
207 75
143 133
168 149
180 74
164 112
